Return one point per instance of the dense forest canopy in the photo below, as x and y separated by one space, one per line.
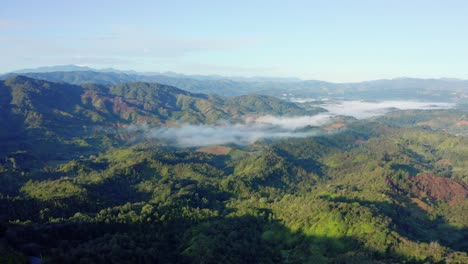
78 185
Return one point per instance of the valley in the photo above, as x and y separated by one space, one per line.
149 173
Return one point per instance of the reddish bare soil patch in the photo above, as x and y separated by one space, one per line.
119 105
445 162
438 188
120 125
251 117
215 150
142 120
462 123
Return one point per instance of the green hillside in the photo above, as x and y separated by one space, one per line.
386 198
391 189
58 118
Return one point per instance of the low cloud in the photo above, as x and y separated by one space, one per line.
252 130
205 135
295 122
366 109
257 128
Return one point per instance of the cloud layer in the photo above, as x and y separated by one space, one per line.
205 135
273 127
295 122
366 109
252 130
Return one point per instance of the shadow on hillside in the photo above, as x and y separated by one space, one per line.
240 239
414 223
308 164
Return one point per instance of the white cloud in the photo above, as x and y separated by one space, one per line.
204 135
366 109
264 127
272 127
295 122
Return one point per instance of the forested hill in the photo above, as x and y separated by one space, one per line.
41 114
127 102
390 189
372 194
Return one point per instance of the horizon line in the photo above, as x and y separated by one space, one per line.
220 76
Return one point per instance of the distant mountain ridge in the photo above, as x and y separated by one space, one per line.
73 67
395 89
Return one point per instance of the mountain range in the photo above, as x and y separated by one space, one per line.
401 88
72 67
40 109
82 180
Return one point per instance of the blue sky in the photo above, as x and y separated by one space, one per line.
328 40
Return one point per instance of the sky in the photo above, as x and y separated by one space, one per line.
339 41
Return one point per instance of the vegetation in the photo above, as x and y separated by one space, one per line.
54 120
401 88
379 191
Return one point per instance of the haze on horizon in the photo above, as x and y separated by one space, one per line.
338 41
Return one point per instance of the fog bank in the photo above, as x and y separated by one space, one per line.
254 128
366 109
